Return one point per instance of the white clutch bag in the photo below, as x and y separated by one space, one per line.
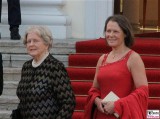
111 97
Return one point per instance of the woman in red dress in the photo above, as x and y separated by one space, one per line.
121 71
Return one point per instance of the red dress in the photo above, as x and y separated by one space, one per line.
114 77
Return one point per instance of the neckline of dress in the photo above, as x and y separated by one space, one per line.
122 58
36 64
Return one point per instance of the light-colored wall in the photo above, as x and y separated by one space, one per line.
75 10
88 17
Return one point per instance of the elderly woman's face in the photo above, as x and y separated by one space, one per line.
36 46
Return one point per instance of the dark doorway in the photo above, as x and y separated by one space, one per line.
134 10
117 7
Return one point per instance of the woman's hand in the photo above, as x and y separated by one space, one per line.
108 107
99 104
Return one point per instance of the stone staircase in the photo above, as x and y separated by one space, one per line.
14 55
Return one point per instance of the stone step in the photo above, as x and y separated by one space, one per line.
17 60
60 47
59 31
8 102
14 53
10 87
11 74
5 114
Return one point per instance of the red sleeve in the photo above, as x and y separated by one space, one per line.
92 94
133 106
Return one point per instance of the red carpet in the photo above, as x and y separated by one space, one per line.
82 65
150 34
90 60
142 45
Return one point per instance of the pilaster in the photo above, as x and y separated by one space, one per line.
96 12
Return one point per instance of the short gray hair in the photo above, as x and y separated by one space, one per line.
41 31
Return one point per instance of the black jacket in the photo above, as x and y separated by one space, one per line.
45 92
1 74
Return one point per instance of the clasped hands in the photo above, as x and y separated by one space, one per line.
107 107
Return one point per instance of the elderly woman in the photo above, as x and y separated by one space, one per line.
44 90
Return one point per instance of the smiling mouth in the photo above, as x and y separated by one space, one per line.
111 40
32 50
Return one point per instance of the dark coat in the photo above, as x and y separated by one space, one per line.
45 92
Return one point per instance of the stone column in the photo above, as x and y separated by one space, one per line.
96 12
